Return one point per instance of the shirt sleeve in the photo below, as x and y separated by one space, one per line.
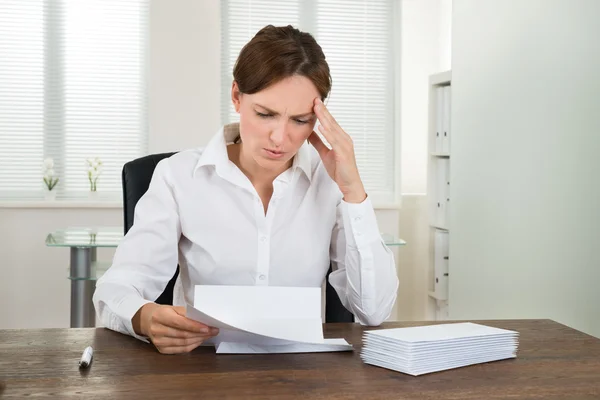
145 260
364 271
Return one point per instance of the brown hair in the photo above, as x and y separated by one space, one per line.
276 53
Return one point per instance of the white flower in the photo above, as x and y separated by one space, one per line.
49 173
48 163
94 163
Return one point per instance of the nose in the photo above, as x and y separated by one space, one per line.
278 134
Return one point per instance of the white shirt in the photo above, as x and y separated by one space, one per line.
202 212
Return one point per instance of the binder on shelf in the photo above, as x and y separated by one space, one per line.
441 311
439 119
441 261
446 120
447 193
442 191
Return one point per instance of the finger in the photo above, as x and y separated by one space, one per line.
205 329
324 115
333 139
163 342
178 349
176 320
159 330
329 123
318 144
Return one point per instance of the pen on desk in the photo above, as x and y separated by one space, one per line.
86 357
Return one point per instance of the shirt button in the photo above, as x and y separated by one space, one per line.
357 219
262 277
263 238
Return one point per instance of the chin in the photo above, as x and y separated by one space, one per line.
268 163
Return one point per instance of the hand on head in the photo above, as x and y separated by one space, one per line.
340 161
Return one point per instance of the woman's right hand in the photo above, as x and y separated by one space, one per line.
169 329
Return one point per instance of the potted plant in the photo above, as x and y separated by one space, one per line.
94 171
50 180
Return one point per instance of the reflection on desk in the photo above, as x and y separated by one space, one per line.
87 237
107 237
111 236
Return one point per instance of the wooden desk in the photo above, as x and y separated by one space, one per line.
554 362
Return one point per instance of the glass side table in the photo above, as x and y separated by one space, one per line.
391 240
85 270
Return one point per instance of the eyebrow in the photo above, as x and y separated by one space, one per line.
310 113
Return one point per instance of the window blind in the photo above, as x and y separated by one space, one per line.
240 20
357 39
72 87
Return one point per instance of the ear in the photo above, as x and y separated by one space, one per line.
236 96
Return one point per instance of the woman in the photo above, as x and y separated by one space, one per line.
256 206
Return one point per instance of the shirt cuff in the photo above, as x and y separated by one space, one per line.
127 309
360 223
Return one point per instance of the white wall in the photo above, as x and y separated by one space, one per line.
185 77
425 51
525 165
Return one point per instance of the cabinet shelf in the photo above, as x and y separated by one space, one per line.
439 227
439 165
435 296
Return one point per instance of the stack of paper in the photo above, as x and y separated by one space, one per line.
263 319
425 349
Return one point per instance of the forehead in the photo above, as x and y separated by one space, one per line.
294 94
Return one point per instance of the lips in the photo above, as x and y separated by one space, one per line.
273 153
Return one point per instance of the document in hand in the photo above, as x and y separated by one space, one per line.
425 349
263 319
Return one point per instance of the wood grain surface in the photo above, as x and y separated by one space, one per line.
554 362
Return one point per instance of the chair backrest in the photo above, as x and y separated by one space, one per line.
136 177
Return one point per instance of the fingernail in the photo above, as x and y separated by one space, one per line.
214 331
203 330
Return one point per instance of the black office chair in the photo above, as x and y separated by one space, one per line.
136 178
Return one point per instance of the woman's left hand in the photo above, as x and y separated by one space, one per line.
340 161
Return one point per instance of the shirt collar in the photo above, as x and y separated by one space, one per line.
215 153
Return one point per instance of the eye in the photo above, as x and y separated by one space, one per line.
263 115
301 122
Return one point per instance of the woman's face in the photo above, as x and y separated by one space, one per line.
276 121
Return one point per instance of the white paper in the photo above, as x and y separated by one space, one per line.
425 349
445 346
260 331
253 319
442 367
271 302
329 345
440 332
